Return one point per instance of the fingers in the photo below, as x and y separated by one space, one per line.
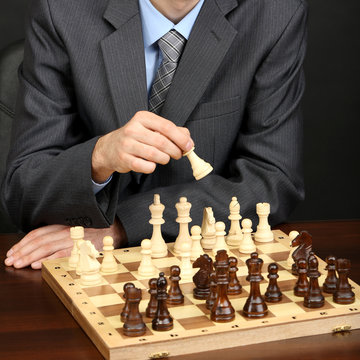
59 254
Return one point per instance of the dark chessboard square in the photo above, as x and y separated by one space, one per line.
144 294
170 254
269 315
203 308
265 268
165 270
243 294
243 280
279 256
187 301
326 306
99 290
100 260
111 310
119 278
73 274
286 285
284 300
196 322
147 333
132 266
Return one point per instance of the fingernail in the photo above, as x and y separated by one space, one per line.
36 265
9 261
18 263
10 252
189 146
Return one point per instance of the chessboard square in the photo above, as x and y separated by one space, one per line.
73 274
286 275
165 262
326 306
238 303
128 255
196 322
186 302
279 256
165 270
104 300
182 312
244 282
244 294
120 278
115 321
285 309
272 247
132 266
187 288
119 287
111 310
99 290
202 307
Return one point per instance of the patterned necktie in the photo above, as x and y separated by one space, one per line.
171 45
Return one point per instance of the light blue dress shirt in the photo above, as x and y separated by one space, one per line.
154 26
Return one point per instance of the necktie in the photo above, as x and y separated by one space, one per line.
171 46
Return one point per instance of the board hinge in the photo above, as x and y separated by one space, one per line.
341 328
159 355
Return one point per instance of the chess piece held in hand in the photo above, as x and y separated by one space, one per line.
200 167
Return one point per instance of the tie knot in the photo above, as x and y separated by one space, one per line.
172 45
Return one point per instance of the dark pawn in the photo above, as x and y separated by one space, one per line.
212 295
222 310
255 305
201 278
273 293
175 296
234 287
302 285
343 293
152 305
331 280
125 310
162 321
313 298
134 324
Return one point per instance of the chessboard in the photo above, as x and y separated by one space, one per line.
97 309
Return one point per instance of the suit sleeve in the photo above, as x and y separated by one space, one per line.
266 163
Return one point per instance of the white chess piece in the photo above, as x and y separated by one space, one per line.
292 236
208 231
183 210
146 267
109 264
90 267
186 266
196 249
220 238
247 245
200 167
263 231
158 245
235 234
76 234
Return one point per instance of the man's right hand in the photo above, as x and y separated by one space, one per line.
146 140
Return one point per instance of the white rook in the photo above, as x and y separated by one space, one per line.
263 231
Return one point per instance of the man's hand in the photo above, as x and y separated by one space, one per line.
53 241
146 140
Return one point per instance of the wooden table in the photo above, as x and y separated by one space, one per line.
35 325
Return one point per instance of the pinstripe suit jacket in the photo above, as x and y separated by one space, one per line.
237 88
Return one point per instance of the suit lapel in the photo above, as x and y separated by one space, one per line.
123 53
209 41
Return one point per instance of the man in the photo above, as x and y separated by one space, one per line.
85 150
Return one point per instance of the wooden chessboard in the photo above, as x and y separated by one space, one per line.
97 309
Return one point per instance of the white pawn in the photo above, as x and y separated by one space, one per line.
146 267
186 266
292 236
247 245
196 249
109 264
235 234
263 231
200 167
183 210
76 234
220 238
90 267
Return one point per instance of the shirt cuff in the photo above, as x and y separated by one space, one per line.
97 187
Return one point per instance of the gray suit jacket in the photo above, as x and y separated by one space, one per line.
237 89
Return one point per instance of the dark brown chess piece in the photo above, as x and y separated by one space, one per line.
175 296
302 284
222 310
234 287
273 293
255 305
213 288
162 321
331 280
125 310
343 293
304 246
313 298
134 324
152 305
202 278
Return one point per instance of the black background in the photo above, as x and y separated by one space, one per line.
331 105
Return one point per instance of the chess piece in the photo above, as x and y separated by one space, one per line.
152 305
186 267
158 246
175 296
263 231
109 264
76 234
90 267
146 267
235 234
201 278
255 305
331 280
200 167
125 310
302 285
220 238
292 236
134 324
303 242
213 291
208 231
247 245
222 310
162 321
196 249
313 298
234 287
183 210
343 293
273 293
